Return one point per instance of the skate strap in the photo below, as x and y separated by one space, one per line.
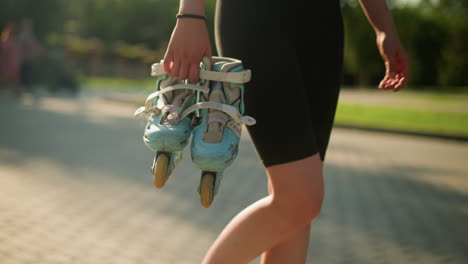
150 99
228 109
232 77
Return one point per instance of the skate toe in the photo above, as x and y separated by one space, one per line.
214 157
167 138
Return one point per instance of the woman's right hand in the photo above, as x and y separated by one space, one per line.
189 43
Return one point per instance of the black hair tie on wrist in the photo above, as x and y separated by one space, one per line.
190 16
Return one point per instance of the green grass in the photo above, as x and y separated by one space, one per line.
402 119
437 97
437 89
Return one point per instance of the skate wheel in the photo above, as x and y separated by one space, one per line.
160 170
207 189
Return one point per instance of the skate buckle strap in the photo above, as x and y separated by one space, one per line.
232 77
237 120
235 126
149 108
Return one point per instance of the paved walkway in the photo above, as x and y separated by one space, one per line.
75 188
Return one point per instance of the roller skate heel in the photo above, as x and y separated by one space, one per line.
167 130
218 123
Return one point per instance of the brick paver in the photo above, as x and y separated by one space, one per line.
75 188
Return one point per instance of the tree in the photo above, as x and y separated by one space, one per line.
362 62
47 15
454 65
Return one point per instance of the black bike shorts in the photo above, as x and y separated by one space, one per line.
295 55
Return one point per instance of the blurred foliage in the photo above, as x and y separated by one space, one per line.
454 67
135 21
48 15
434 32
362 63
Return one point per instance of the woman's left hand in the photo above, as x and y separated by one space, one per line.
396 62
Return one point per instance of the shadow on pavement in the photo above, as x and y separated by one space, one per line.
370 214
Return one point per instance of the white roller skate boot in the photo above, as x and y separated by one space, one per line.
167 131
219 115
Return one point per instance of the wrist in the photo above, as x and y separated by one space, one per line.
188 15
190 21
198 13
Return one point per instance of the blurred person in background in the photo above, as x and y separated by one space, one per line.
28 49
296 57
9 66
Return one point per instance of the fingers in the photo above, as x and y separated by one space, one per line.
209 54
401 83
194 70
175 66
193 73
397 73
390 73
168 57
184 68
404 69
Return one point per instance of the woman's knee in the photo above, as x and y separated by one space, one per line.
299 208
298 190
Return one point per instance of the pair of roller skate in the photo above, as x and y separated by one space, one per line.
211 111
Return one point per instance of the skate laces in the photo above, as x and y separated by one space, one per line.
171 104
223 101
177 106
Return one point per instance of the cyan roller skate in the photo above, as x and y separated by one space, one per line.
219 115
168 131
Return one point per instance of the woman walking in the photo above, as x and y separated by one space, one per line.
296 55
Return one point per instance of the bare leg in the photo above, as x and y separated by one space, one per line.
291 250
297 199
